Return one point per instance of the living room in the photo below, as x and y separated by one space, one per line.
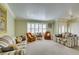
31 28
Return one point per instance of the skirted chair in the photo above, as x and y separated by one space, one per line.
47 35
30 37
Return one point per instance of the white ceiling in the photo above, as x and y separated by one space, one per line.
43 11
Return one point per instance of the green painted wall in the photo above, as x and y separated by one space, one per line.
21 26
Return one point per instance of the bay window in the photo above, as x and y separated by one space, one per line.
36 27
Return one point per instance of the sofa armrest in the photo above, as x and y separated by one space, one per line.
15 52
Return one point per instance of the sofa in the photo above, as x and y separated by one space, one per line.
8 46
67 39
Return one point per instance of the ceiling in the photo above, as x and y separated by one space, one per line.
44 11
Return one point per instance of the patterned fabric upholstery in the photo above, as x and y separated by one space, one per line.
67 39
7 41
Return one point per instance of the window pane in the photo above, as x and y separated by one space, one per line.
62 29
40 30
32 25
40 25
28 29
28 25
44 25
36 25
59 30
44 30
32 30
36 30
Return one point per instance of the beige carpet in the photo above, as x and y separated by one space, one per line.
49 47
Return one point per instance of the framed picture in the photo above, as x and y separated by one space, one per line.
3 19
